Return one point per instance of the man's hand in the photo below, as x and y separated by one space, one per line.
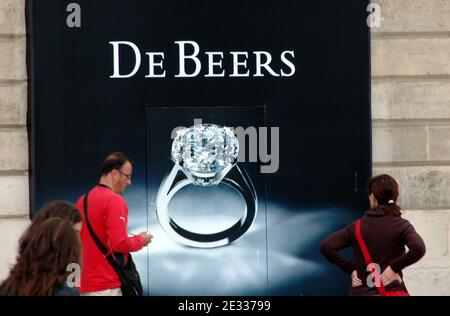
388 276
147 237
355 280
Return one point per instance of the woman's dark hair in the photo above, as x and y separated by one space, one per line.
42 264
60 209
114 160
385 189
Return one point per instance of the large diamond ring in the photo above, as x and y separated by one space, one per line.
206 155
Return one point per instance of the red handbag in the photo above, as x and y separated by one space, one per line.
381 289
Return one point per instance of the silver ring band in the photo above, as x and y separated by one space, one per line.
237 179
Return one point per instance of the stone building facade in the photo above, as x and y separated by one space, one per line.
410 126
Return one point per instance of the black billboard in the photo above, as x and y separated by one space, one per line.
283 86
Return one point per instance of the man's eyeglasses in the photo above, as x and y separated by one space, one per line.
126 175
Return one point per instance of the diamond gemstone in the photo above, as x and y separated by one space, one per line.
205 152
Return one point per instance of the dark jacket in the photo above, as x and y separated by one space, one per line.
386 237
64 290
59 290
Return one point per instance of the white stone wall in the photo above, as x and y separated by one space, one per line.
411 125
14 192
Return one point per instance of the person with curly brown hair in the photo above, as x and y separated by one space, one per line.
42 264
60 209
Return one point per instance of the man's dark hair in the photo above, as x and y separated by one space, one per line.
114 160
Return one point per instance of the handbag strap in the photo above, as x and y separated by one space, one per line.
91 230
367 257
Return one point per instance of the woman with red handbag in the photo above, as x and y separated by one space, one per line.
378 240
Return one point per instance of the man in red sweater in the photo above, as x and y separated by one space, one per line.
108 217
